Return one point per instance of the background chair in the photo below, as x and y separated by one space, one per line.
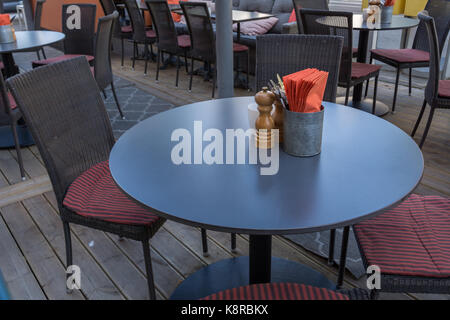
102 64
351 73
437 92
9 107
78 41
140 34
418 56
286 54
166 34
120 32
203 40
61 104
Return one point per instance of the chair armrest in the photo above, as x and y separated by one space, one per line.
290 28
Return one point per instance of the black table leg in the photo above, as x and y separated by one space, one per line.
260 264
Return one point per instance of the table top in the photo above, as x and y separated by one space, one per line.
398 22
366 165
27 40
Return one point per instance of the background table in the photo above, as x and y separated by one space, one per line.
25 41
398 22
366 165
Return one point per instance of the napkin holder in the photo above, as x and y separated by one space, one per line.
303 133
7 34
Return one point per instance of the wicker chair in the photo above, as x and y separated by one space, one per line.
203 40
287 291
285 54
102 64
9 107
166 34
418 56
351 73
140 34
437 92
62 106
78 41
120 32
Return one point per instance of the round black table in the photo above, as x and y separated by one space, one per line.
366 165
398 22
25 41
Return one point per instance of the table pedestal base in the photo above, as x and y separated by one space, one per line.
231 273
366 105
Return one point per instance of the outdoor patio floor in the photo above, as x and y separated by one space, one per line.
32 254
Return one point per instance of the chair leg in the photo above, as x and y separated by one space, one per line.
425 133
68 241
347 93
18 150
368 80
134 53
148 269
104 94
233 243
331 247
146 53
214 81
410 80
178 70
122 52
248 70
192 74
204 243
374 103
43 53
113 89
396 89
158 62
186 61
38 55
419 118
343 257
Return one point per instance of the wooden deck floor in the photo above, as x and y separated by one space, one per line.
32 254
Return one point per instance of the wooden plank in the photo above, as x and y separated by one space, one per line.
24 190
20 280
46 266
95 283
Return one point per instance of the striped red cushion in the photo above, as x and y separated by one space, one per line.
277 291
413 239
63 57
94 194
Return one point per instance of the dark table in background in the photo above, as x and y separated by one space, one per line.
366 165
398 22
25 41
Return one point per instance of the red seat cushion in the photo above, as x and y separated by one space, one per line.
94 194
277 291
184 41
12 101
150 34
403 55
412 240
60 58
444 89
126 29
360 70
2 66
237 47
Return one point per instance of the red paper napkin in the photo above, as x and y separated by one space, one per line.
305 89
5 20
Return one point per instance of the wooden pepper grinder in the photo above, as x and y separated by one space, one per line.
278 116
264 99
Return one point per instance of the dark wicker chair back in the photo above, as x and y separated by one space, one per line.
431 90
203 42
62 106
102 62
308 4
109 7
79 41
163 24
285 54
440 11
38 14
336 18
137 20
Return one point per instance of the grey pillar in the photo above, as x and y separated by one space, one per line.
224 48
